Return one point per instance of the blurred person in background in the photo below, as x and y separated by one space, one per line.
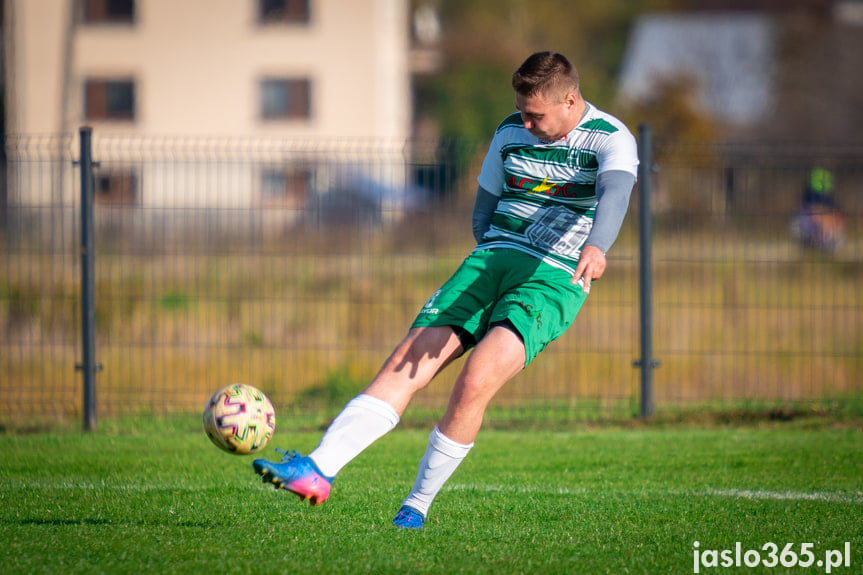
820 223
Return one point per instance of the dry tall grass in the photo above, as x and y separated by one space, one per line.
735 319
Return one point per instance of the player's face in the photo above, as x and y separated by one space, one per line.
549 118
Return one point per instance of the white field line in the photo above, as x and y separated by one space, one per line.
851 498
855 498
830 496
86 486
521 489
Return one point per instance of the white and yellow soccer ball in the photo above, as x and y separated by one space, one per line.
240 419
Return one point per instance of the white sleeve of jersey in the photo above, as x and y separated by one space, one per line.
491 178
619 152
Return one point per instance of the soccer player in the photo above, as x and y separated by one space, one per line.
553 191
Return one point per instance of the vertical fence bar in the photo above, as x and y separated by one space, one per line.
645 269
88 315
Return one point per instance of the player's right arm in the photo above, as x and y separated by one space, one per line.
483 209
490 186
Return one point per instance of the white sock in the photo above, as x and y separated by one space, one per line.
364 420
442 457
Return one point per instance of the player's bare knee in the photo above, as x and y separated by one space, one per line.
473 388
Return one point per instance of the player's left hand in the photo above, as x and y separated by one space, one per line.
590 266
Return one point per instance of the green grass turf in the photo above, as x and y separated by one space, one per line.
622 500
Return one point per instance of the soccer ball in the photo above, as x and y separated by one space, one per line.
239 419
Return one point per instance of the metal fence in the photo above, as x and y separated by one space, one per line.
297 266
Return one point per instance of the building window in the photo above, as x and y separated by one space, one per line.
109 11
116 188
285 187
285 99
109 100
283 11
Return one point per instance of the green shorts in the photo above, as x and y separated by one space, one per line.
504 285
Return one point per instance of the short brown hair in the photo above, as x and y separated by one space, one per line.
545 73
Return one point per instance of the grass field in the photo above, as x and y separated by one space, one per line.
157 497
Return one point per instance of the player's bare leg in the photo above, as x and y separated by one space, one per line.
498 357
413 364
378 409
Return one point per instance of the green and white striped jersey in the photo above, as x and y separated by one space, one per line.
548 190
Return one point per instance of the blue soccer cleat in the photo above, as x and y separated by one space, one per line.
297 474
409 518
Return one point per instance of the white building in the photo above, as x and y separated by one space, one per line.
729 56
270 90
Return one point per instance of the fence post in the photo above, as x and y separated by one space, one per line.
88 314
645 269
